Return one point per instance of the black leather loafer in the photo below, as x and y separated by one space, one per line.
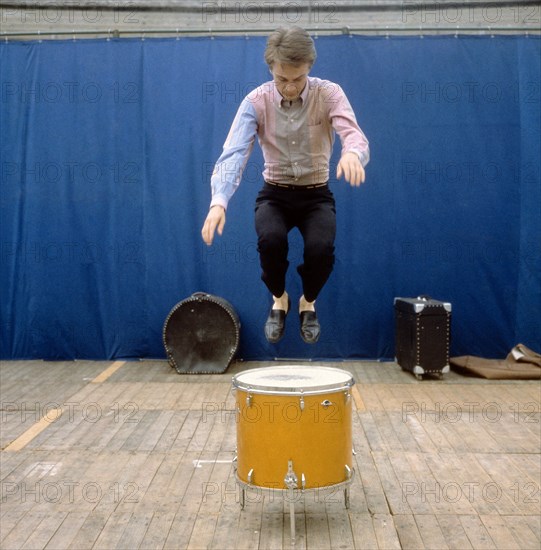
310 329
276 322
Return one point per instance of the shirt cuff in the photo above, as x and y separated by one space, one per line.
219 200
364 156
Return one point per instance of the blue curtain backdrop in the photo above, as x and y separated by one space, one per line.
108 145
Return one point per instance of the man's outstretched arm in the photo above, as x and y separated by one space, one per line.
229 168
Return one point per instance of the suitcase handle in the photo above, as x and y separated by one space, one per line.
424 297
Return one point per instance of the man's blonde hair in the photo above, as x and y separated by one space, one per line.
290 46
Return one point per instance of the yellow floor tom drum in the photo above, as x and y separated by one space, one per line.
294 427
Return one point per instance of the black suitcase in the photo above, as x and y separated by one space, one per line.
422 333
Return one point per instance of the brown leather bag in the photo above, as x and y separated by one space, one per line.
521 363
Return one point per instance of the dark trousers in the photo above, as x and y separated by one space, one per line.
277 211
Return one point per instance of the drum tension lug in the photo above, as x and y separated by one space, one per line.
249 400
349 473
302 402
291 480
303 482
250 476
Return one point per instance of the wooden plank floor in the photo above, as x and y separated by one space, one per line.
132 455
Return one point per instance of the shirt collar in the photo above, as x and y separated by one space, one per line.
281 100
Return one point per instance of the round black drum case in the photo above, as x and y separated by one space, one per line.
201 334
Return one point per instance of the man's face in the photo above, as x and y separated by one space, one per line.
290 80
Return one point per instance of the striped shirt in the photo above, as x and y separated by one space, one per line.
296 138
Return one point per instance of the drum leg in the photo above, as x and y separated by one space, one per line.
292 520
242 497
291 483
346 498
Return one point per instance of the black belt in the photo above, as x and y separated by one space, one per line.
296 187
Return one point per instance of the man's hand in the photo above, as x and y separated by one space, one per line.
215 219
352 169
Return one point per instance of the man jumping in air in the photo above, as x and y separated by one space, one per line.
295 118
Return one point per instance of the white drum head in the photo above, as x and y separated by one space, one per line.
293 379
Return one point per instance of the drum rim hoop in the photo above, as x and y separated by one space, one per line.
296 392
274 390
